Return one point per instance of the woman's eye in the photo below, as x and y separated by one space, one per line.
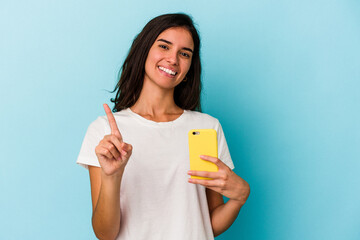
163 46
185 54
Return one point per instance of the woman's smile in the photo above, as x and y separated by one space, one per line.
168 71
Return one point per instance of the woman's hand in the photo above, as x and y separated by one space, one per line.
224 181
112 153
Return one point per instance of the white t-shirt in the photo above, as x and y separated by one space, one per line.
156 200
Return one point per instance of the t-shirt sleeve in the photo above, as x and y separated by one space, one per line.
223 149
94 134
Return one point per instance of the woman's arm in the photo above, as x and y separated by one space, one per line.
113 155
224 182
222 214
105 195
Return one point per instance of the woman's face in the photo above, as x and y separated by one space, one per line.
169 58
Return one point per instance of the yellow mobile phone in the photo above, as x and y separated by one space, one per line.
202 142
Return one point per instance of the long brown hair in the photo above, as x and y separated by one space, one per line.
187 93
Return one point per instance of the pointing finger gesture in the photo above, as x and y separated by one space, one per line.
114 128
112 153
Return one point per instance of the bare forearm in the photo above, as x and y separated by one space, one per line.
224 215
225 182
106 215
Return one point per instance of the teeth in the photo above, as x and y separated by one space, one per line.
167 71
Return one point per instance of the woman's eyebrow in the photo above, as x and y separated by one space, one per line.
170 43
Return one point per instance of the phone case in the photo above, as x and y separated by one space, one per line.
202 142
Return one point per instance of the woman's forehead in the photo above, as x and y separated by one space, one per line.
177 35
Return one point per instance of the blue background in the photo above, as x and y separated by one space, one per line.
281 76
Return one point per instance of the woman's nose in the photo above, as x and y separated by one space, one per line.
172 58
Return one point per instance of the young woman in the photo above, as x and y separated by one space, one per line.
138 157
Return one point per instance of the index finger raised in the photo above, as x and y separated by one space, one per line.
112 122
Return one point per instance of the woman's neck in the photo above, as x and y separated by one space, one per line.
155 103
